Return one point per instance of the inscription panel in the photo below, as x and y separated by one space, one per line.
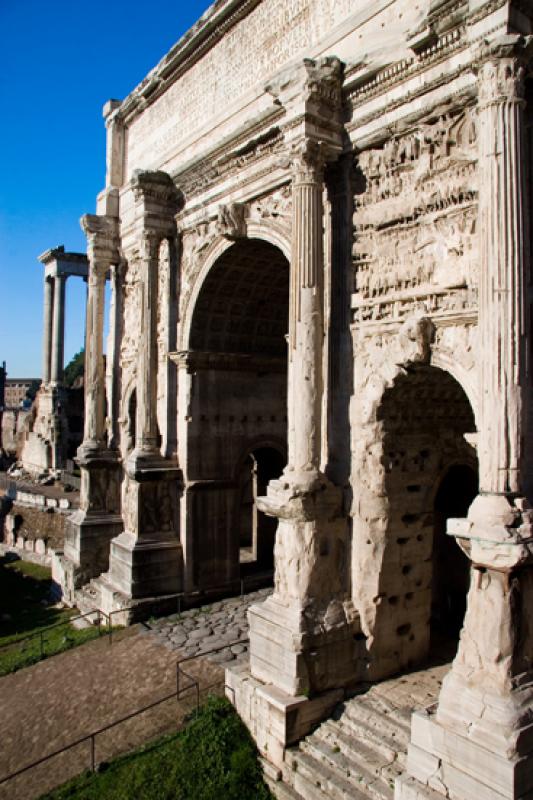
270 36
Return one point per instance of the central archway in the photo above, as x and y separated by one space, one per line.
238 406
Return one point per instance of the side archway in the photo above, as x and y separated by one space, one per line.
420 429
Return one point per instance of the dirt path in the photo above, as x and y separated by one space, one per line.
45 707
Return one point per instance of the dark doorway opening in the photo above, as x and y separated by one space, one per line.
257 532
451 567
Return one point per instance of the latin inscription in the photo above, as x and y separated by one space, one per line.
270 36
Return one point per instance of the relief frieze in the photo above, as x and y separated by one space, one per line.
415 239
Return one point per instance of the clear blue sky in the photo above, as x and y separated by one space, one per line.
60 61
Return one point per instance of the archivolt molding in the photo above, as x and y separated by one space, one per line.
381 358
203 246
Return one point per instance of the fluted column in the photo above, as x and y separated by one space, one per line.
94 430
291 636
90 530
113 355
504 302
47 328
58 329
306 327
147 430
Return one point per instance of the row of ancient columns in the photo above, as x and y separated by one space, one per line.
54 328
139 551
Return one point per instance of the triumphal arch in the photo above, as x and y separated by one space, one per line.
316 224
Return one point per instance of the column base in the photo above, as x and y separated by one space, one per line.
306 638
275 719
86 549
450 764
145 568
299 657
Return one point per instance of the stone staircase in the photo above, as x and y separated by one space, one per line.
88 597
362 749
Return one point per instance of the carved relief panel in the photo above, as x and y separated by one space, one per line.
415 246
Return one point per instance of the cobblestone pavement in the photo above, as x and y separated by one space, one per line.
215 625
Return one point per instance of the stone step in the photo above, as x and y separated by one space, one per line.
402 716
281 791
324 780
376 708
382 763
357 772
356 740
371 725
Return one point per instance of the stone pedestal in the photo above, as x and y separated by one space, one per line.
275 719
146 559
478 743
302 639
90 530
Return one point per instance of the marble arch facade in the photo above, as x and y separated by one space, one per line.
385 149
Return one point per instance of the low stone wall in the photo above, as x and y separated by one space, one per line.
42 501
36 531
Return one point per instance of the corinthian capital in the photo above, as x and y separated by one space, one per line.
102 240
308 159
502 66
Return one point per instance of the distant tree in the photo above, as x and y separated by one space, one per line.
74 368
31 392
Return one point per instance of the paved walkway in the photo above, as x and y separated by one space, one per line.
45 707
209 627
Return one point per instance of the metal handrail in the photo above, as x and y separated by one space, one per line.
43 631
176 694
194 681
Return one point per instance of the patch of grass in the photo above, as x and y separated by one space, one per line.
213 758
24 593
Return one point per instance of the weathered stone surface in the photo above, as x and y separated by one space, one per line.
319 341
